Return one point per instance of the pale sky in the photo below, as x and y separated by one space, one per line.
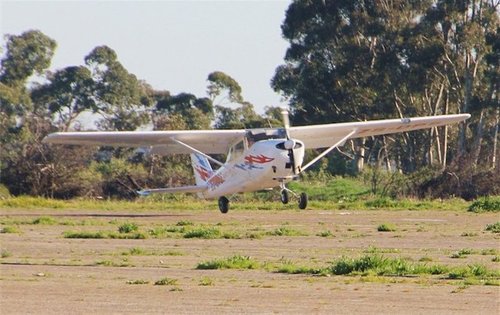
172 45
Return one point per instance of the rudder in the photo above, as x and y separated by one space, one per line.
201 168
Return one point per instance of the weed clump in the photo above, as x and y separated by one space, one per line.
235 262
326 233
96 235
286 231
140 281
386 227
45 221
184 223
128 228
166 281
494 227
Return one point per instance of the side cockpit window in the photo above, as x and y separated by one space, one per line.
236 150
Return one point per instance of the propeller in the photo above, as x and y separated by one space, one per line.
289 144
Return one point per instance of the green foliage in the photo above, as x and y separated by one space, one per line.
486 204
494 227
26 54
386 227
5 253
128 227
234 262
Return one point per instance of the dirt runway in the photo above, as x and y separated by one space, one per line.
44 271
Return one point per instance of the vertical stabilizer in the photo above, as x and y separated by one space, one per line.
201 168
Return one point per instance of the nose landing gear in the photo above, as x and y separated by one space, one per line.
285 196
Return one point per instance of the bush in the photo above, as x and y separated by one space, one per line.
486 204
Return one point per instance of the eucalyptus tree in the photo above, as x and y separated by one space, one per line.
344 61
26 54
232 110
121 99
68 93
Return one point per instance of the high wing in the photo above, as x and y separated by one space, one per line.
324 136
160 142
219 141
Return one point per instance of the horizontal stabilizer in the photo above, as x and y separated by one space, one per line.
182 189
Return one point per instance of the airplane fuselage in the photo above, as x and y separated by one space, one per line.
263 165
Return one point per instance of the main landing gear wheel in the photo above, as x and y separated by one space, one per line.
223 204
284 196
303 201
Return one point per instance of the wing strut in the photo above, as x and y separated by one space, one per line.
196 151
322 154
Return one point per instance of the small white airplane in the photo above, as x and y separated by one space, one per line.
257 159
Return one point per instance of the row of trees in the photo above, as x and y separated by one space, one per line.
359 60
347 60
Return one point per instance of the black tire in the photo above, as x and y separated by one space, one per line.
303 201
284 197
223 204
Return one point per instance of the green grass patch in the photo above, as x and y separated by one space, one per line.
104 235
184 223
110 263
45 221
326 233
96 235
378 265
138 251
386 227
494 227
128 228
5 253
206 281
205 233
234 262
336 194
462 253
10 229
486 204
286 231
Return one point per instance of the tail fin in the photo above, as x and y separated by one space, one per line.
202 168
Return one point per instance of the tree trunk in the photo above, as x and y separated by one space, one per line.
359 149
495 141
478 139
